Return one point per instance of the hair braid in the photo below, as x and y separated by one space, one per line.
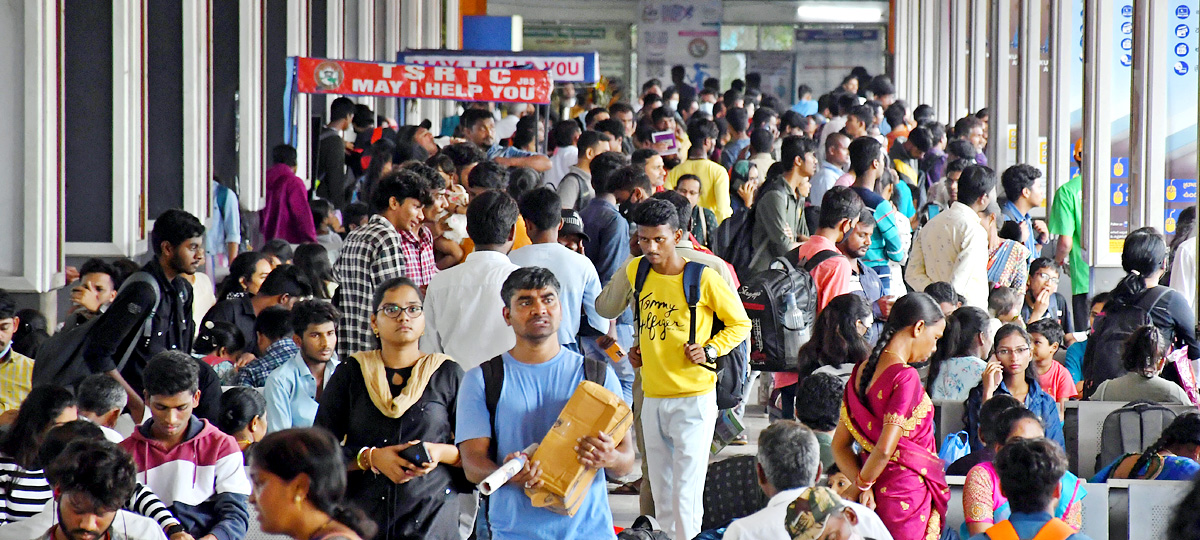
868 371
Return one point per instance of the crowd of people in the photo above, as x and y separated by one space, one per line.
405 281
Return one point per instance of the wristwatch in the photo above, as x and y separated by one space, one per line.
710 353
174 529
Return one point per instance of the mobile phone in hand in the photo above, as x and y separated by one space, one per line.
416 454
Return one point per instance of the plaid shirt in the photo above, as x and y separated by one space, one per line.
255 373
371 255
418 256
16 379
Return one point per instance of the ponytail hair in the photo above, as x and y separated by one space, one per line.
1144 348
1145 253
217 335
958 340
1185 429
239 406
907 311
313 452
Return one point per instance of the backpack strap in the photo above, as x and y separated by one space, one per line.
493 385
1055 529
692 272
148 323
595 370
1152 298
222 198
1002 531
639 280
818 258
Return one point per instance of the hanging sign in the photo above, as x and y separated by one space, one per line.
347 77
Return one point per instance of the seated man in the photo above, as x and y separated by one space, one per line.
789 463
92 481
273 330
293 389
542 376
16 369
1030 471
191 465
100 399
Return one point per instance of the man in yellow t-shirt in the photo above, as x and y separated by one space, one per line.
16 370
679 410
714 179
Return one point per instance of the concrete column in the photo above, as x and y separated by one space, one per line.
251 100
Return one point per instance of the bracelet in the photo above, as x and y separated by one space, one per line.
371 461
363 452
863 486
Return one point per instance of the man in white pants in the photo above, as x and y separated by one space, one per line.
678 376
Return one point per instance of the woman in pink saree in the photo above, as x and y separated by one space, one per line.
886 411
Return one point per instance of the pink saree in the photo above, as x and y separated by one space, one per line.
911 494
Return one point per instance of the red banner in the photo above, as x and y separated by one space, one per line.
320 76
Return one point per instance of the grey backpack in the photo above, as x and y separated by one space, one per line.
1130 429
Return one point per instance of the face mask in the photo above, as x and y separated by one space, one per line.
674 104
706 108
568 102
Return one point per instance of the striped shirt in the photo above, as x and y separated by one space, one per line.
371 255
26 491
16 379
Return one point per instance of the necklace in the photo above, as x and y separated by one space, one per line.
321 528
887 351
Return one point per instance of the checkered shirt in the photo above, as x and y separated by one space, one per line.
418 256
255 373
371 255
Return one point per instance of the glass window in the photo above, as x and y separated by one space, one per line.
733 66
738 38
777 38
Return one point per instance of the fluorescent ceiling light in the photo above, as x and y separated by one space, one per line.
838 13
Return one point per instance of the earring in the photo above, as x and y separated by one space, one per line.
299 499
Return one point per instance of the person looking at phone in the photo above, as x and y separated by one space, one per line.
539 376
1008 371
394 409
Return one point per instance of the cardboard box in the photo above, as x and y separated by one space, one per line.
565 482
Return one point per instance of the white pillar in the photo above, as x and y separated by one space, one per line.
1058 159
998 84
1148 113
978 74
196 126
129 177
251 100
1097 131
1029 97
299 43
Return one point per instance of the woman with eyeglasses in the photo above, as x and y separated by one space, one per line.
385 402
1008 372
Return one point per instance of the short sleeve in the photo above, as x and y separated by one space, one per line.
1074 361
1062 214
978 505
907 405
472 420
1064 384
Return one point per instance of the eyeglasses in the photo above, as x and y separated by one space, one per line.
1010 352
1049 278
392 311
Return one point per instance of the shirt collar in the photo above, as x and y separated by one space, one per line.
1016 213
486 257
965 211
786 496
301 367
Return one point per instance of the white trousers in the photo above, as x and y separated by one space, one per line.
679 433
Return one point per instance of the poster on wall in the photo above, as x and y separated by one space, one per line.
610 40
679 32
1182 91
776 69
825 55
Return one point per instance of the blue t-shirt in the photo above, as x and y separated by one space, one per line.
1074 361
532 398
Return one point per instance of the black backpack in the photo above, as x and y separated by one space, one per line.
733 241
731 369
1105 347
59 360
782 305
643 528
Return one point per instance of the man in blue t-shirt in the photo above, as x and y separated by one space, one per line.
539 378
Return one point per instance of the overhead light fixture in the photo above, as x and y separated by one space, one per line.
838 13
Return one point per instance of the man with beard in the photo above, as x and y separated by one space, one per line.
158 291
863 280
293 389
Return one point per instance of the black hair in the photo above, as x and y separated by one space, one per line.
278 248
895 113
1018 178
96 266
488 175
311 312
543 208
662 113
491 217
591 139
1010 230
863 151
881 85
526 131
961 149
965 124
835 338
649 100
921 138
924 114
1047 328
1144 347
471 117
441 163
388 286
356 211
1184 429
731 97
1145 253
975 182
463 155
820 396
529 278
612 127
522 180
863 113
242 268
701 130
762 141
170 372
1030 472
363 116
762 116
1003 300
98 469
31 332
942 292
381 154
239 406
286 279
962 327
690 177
907 311
839 203
680 202
641 156
1006 423
341 108
175 227
313 452
619 107
37 414
590 117
313 260
61 436
991 429
321 210
802 90
1031 376
651 84
655 213
1100 298
937 132
603 167
796 146
285 154
629 178
99 393
400 185
215 335
738 120
274 322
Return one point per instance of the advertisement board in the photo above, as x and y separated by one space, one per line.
347 77
581 67
679 32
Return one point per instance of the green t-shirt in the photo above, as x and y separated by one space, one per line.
1066 217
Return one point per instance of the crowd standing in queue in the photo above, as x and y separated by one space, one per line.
410 272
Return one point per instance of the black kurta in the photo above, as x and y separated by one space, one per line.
425 507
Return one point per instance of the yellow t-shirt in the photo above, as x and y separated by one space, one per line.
16 379
714 184
663 332
520 240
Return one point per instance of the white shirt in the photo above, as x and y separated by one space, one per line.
560 163
125 526
768 523
952 247
463 310
578 281
1183 272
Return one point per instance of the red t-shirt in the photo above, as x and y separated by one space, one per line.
1057 382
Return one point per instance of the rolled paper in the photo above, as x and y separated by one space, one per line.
505 473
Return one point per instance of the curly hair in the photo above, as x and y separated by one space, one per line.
97 469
